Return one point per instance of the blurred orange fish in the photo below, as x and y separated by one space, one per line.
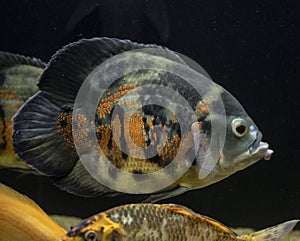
21 219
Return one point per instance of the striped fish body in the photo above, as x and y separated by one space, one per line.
165 222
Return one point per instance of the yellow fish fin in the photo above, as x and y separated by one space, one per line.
273 233
6 194
179 209
22 219
188 212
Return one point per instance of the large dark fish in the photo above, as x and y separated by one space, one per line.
18 81
43 135
163 222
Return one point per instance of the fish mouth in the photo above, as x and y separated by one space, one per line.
255 144
259 148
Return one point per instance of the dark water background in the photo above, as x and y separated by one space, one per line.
249 47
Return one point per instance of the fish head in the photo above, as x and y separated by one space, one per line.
96 228
243 144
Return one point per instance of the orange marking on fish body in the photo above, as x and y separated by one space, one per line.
64 127
100 223
104 108
196 126
7 136
202 107
150 122
170 149
115 98
136 127
140 166
8 94
103 134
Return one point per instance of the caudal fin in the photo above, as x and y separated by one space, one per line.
274 233
41 128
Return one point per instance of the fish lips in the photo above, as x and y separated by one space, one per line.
260 148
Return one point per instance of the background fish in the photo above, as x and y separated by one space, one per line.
18 81
163 223
21 219
43 135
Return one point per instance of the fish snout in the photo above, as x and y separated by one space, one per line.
262 150
259 147
268 154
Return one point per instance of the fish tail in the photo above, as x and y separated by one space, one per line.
271 234
43 139
41 128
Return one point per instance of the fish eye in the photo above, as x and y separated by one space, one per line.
91 235
239 127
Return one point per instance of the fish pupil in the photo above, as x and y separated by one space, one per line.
241 129
92 237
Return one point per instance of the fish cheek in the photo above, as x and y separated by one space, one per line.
115 235
233 147
236 148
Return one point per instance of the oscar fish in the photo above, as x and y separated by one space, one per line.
18 81
163 222
44 137
21 219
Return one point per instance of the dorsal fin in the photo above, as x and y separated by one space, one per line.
70 66
179 209
8 59
188 212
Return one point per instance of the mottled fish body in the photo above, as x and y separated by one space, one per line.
44 127
18 82
163 222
